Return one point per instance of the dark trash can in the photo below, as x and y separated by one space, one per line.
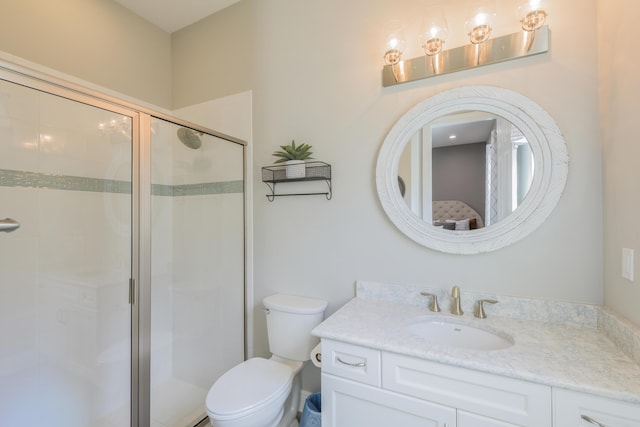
311 413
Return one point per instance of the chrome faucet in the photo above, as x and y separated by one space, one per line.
455 304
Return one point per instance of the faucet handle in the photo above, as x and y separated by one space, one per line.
434 302
456 306
455 292
479 313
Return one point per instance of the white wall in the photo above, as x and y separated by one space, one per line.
232 115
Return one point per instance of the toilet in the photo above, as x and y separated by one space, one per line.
263 392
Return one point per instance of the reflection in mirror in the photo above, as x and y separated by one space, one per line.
466 165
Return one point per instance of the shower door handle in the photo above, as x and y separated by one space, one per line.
8 225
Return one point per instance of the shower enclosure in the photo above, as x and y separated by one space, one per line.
121 259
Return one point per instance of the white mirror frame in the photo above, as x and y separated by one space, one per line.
550 175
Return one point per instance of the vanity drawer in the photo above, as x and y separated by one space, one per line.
352 362
571 408
500 398
348 403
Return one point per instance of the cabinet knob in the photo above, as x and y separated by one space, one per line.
592 421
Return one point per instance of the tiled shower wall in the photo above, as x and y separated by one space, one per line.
65 177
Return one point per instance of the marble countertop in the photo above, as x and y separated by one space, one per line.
561 355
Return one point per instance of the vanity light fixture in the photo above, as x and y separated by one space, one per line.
531 39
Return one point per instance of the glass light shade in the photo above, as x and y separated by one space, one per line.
434 31
396 43
480 24
532 14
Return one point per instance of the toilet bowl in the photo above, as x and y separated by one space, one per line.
263 392
251 394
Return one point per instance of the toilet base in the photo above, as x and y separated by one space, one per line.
294 423
289 418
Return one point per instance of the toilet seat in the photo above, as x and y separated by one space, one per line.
248 388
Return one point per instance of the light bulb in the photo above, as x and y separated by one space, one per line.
434 31
480 25
395 44
533 14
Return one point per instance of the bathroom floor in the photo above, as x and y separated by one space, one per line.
208 424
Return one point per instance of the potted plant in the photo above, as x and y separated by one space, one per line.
294 156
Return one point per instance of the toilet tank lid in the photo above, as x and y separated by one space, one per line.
294 304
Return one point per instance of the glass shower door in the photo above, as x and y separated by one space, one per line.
65 318
197 268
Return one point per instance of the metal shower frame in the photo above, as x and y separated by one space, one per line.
140 281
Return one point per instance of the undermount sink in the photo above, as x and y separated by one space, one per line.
440 330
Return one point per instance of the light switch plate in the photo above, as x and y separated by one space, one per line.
627 263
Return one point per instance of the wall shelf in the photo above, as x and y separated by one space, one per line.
314 171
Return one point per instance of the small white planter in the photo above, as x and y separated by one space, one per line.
295 169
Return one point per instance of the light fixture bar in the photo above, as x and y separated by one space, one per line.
493 51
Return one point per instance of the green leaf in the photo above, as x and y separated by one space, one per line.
293 152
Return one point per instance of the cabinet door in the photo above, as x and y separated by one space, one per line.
572 409
467 419
521 403
347 403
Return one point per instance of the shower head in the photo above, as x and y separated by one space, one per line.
189 138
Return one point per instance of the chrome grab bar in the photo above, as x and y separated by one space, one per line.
8 225
592 421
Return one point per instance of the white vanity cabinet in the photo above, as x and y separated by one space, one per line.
346 403
367 387
571 408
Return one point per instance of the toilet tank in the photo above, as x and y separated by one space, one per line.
290 320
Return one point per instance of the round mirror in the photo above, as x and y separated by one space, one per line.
472 169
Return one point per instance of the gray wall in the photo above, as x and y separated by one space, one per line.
212 58
95 40
316 77
458 173
319 81
620 104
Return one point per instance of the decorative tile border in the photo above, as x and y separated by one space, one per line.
226 187
13 178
